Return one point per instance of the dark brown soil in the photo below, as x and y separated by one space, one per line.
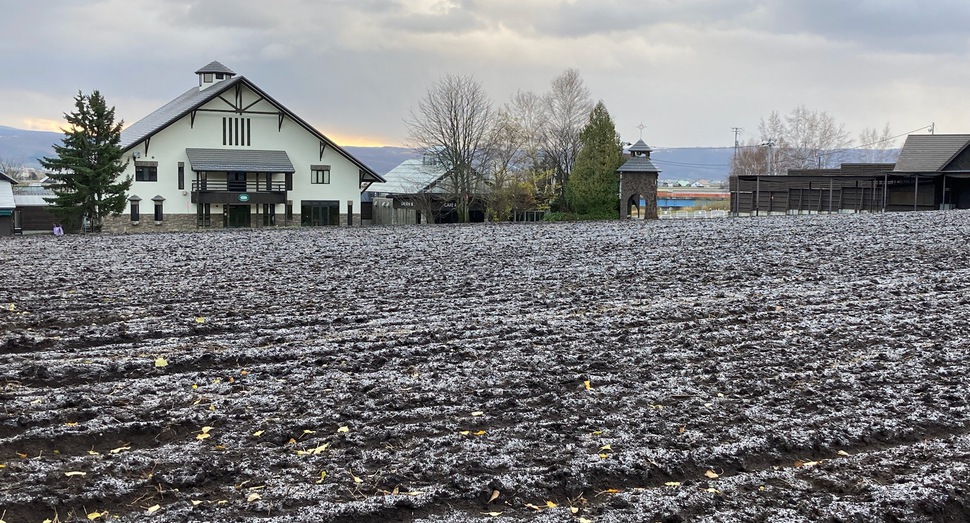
775 369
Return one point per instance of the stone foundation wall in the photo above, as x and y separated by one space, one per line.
122 224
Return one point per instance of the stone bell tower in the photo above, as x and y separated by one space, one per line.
638 180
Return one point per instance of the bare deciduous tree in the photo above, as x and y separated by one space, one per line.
453 123
804 139
750 158
567 108
879 146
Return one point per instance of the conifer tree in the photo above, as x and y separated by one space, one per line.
592 190
87 166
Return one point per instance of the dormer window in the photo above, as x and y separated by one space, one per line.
219 76
207 78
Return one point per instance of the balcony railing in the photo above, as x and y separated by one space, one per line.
237 186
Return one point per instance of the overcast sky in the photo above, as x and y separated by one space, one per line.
689 70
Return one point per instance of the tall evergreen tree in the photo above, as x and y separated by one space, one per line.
88 165
593 186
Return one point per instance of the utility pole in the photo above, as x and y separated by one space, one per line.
737 145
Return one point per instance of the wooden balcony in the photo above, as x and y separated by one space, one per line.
238 192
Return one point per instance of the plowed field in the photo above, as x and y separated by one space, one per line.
790 368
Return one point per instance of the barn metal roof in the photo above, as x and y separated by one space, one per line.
241 160
929 153
32 195
6 192
171 112
410 177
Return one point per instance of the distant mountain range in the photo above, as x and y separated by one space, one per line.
19 147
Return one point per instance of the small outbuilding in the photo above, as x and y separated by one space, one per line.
7 205
638 182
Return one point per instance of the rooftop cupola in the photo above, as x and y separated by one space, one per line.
213 74
640 150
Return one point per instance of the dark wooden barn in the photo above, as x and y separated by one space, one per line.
932 172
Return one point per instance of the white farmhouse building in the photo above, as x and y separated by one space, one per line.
226 154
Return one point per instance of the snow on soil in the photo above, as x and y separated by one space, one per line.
787 368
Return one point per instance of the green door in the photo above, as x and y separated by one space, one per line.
238 216
319 213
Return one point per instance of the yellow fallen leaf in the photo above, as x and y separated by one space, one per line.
533 507
199 319
95 515
22 455
161 362
672 483
75 473
258 433
584 520
356 479
253 497
587 385
604 456
479 433
153 509
597 432
205 430
465 432
713 491
323 476
574 510
344 429
612 491
203 436
119 450
711 474
606 447
478 413
844 453
71 424
196 502
3 466
494 496
493 514
550 504
762 487
308 431
414 493
313 452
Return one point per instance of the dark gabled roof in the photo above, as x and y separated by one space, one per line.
242 160
195 97
638 164
216 67
929 153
